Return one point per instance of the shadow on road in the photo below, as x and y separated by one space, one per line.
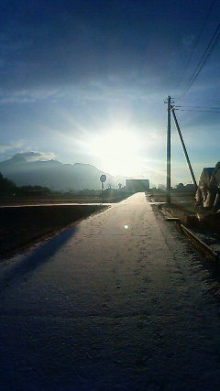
42 253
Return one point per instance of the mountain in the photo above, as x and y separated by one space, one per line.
23 169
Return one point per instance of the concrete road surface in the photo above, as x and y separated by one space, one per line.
119 301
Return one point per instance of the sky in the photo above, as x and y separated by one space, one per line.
86 80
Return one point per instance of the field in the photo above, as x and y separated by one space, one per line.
27 219
22 226
63 199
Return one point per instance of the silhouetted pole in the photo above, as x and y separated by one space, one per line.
184 147
102 179
168 149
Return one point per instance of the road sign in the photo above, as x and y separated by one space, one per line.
103 178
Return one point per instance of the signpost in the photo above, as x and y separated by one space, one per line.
102 179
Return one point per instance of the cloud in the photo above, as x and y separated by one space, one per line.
5 147
29 95
37 156
10 147
62 43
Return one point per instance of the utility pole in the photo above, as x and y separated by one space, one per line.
168 149
184 147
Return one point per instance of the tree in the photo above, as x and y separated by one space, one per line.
6 186
180 186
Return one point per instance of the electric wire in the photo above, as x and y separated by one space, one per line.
199 107
197 41
201 111
207 53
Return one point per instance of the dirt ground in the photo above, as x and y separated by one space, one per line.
183 207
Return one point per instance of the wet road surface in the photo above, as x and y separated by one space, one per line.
119 301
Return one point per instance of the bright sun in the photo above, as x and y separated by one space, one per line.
118 151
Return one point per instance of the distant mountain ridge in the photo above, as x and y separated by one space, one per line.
23 169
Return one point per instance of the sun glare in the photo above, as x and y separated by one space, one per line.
118 151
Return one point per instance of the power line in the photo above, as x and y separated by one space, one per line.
208 51
213 109
201 32
197 41
200 111
199 107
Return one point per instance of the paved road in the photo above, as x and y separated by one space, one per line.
118 302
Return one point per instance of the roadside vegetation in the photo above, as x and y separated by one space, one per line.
10 194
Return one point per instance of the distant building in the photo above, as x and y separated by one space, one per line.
135 185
